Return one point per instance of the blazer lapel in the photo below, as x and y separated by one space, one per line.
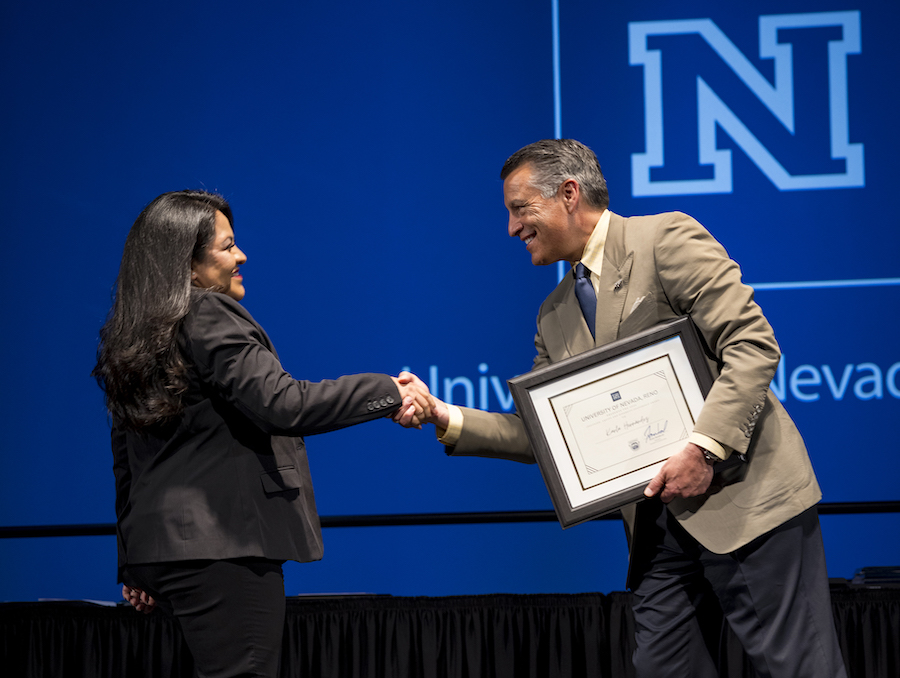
574 329
614 276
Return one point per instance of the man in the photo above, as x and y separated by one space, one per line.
749 542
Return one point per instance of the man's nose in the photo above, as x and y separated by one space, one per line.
514 226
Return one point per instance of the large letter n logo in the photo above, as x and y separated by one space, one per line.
777 98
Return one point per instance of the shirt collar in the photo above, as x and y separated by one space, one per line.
593 250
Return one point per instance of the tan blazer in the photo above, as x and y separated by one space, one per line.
657 268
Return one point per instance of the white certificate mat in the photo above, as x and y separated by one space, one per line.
623 423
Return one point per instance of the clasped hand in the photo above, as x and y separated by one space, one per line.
418 404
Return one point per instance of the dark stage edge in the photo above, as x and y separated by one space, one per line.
500 635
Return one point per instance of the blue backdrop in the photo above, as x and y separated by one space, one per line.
360 146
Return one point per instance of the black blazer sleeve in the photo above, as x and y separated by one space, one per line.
233 355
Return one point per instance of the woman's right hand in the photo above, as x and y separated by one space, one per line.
140 600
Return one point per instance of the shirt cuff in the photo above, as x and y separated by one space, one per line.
450 435
707 443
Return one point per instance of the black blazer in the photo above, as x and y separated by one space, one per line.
230 478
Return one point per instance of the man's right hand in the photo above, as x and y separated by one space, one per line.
411 416
417 405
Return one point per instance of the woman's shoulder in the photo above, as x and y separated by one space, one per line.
213 313
205 302
216 321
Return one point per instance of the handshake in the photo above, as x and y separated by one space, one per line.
419 406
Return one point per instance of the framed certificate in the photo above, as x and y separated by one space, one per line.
602 423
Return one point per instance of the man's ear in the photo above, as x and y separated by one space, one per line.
570 193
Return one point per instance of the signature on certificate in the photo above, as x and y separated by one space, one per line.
656 430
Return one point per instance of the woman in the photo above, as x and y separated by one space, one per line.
213 491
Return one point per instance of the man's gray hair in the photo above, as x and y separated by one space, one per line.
557 160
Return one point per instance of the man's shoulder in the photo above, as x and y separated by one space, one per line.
649 229
649 220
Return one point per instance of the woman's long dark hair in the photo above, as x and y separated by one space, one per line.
139 365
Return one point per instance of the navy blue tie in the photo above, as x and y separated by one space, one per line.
587 298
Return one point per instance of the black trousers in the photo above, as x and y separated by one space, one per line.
230 611
773 592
